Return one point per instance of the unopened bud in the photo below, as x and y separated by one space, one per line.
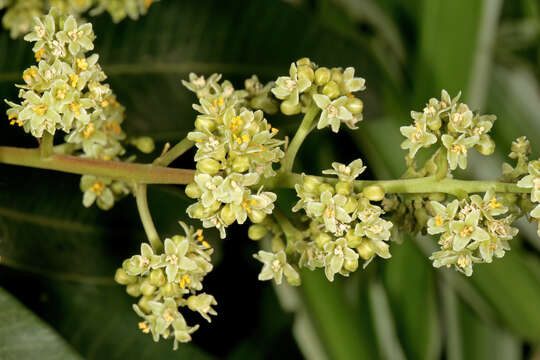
289 108
331 89
193 190
354 105
257 232
373 192
145 144
123 278
208 166
322 76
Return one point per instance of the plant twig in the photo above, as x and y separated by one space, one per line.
172 154
146 218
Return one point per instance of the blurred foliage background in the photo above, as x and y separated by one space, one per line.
57 295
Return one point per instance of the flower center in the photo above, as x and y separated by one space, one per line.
276 265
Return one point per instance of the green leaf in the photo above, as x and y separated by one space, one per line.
96 320
24 336
45 229
409 272
344 334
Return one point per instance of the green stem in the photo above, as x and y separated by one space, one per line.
142 173
46 145
303 130
175 152
423 185
292 234
151 174
146 218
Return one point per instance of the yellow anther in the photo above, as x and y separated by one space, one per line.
143 325
185 280
245 138
237 139
147 3
350 96
82 64
39 54
29 74
236 123
206 244
221 101
13 119
493 246
438 220
97 187
448 265
275 131
41 109
494 204
74 79
76 108
105 103
246 206
113 126
106 158
61 94
463 261
457 148
88 130
199 141
467 230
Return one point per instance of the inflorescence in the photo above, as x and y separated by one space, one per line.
339 219
20 14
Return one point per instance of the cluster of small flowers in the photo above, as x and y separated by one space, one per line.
472 230
532 181
65 92
454 124
329 89
20 14
343 227
186 261
236 149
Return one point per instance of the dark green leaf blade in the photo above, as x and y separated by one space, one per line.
24 336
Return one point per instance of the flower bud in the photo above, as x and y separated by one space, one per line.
208 166
294 281
365 250
326 187
227 215
193 190
331 89
240 164
277 244
169 289
354 105
434 123
373 193
337 76
147 289
133 290
353 240
196 211
305 61
257 232
212 208
305 72
257 216
143 303
157 277
322 76
264 103
205 124
123 278
311 184
343 188
486 146
351 265
288 108
350 205
322 239
145 144
129 267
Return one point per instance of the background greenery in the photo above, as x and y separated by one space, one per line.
57 296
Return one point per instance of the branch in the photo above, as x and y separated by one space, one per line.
147 174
